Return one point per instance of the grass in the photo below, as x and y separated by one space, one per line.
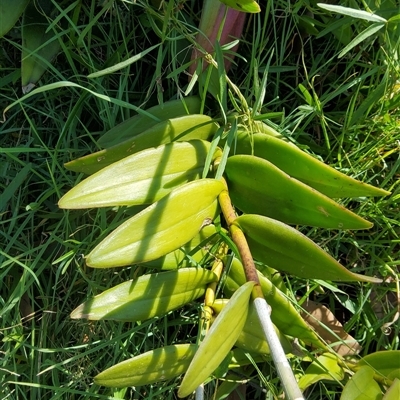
343 110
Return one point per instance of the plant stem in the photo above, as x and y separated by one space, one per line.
285 372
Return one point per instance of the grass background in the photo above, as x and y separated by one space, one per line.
345 110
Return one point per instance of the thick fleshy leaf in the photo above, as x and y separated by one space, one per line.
154 366
307 169
141 178
160 228
385 363
325 367
393 393
139 123
147 296
362 386
283 315
191 253
257 186
219 340
180 129
286 249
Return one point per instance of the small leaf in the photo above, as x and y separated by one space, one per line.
362 386
218 341
123 64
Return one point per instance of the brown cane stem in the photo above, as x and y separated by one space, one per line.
240 240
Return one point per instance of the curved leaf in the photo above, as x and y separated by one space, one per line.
141 178
139 123
218 341
385 363
148 296
256 186
184 128
286 249
362 386
160 228
302 166
325 367
10 11
154 366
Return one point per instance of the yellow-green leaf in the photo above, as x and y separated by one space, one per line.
160 228
147 296
286 249
218 341
154 366
257 186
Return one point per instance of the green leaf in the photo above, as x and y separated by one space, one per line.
39 47
147 296
141 178
178 129
249 6
325 367
385 363
286 249
252 338
371 30
218 341
160 228
10 11
146 119
14 185
302 166
192 253
362 386
257 186
154 366
393 392
360 14
124 63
